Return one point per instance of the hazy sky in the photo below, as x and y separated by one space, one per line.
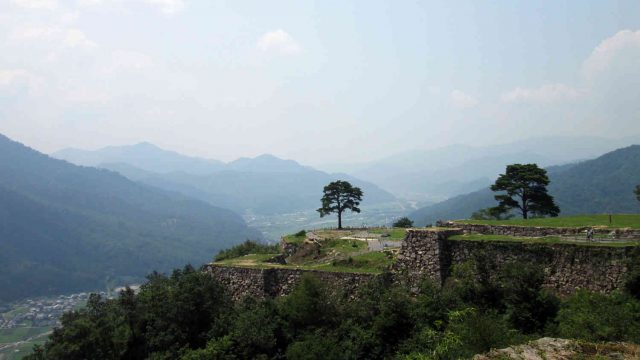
316 81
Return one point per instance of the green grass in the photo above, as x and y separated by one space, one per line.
344 246
12 335
618 221
538 240
370 263
22 349
257 258
292 239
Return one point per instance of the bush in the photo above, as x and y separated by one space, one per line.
528 306
598 317
246 248
403 222
189 316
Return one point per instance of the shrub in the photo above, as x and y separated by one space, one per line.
403 222
246 248
598 317
528 306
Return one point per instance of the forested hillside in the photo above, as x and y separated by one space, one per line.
602 185
65 227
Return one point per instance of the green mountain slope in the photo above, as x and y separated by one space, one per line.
602 185
65 227
264 185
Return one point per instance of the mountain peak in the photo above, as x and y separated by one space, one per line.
265 163
146 145
143 155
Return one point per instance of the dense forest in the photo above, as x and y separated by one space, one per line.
602 185
71 228
189 316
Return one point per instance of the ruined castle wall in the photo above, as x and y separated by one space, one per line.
429 254
567 267
273 282
422 255
538 231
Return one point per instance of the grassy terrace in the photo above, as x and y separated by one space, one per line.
368 263
330 250
372 262
540 240
618 221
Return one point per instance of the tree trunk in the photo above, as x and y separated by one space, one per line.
339 220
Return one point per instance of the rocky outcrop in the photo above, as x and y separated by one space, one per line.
563 349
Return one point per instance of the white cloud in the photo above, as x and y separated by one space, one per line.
16 78
462 100
608 51
278 41
611 67
128 61
168 7
69 37
544 94
37 4
9 76
77 38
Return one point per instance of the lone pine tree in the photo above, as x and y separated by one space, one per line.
526 190
338 197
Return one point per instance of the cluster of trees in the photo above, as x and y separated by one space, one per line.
189 316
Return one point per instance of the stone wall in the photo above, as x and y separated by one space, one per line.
567 267
421 255
430 254
537 231
272 282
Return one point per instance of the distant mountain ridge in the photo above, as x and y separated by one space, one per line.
265 184
441 173
145 156
601 185
66 228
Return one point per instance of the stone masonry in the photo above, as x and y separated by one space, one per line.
273 282
539 231
429 253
